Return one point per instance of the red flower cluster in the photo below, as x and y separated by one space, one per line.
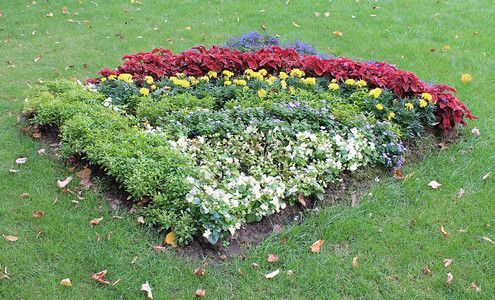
199 61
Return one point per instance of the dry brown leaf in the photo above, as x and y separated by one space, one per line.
38 214
445 233
413 222
444 146
140 220
255 266
223 257
272 258
21 160
134 259
263 27
450 277
300 199
338 33
398 174
49 15
448 262
4 276
474 287
460 193
25 195
272 274
94 221
66 282
75 202
434 184
315 248
475 131
290 272
293 23
115 283
42 151
13 171
86 182
241 271
486 175
199 272
488 240
10 238
84 173
426 271
200 293
62 184
146 287
159 248
99 277
355 261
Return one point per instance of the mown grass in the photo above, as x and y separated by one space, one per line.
392 252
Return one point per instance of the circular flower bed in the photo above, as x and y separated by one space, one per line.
211 139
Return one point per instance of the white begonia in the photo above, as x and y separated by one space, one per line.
190 180
207 233
264 207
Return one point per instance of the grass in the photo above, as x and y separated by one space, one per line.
392 253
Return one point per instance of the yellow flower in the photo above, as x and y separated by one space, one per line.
333 86
227 74
361 83
334 80
153 87
296 73
466 78
309 80
103 79
263 72
350 82
144 91
193 80
284 84
409 106
239 82
112 77
148 79
205 78
246 87
391 115
227 82
283 75
422 103
262 93
427 96
291 90
379 106
180 75
257 75
376 92
212 74
249 72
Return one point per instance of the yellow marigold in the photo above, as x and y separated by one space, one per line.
284 84
379 106
239 82
391 115
262 93
227 82
153 87
227 74
333 86
144 91
180 75
334 80
309 80
103 79
427 97
422 103
246 87
283 75
258 76
296 73
125 77
212 74
361 83
350 82
184 83
376 92
148 79
291 90
409 106
263 72
193 80
112 77
205 78
249 72
270 82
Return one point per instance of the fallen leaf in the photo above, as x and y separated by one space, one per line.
200 293
293 23
317 14
241 271
95 222
488 240
62 184
434 184
460 193
446 47
204 37
450 277
444 146
115 283
272 258
466 78
436 15
4 275
263 27
49 15
223 257
25 195
42 151
475 131
473 287
448 262
134 259
159 248
289 272
140 220
66 282
433 50
189 28
487 175
38 214
84 173
21 160
426 271
199 272
99 277
255 266
86 182
338 33
169 239
272 274
75 202
315 248
442 230
300 199
355 261
10 238
146 287
413 222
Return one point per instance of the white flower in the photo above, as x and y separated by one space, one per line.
207 233
190 180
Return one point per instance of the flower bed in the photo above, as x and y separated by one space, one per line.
211 139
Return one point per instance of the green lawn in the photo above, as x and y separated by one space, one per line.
392 252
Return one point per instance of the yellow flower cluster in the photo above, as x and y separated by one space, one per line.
361 83
261 93
271 80
263 72
227 74
144 91
227 82
284 84
212 74
422 103
148 79
283 75
391 115
376 92
112 77
350 82
126 77
239 82
193 80
258 75
307 81
379 106
409 106
427 97
333 86
181 82
204 78
103 79
297 73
